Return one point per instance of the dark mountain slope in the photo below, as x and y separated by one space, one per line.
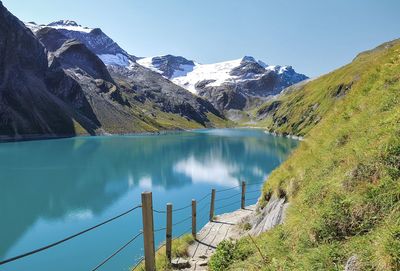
165 95
27 108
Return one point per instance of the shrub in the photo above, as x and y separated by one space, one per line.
229 251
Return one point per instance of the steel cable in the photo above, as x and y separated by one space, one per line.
138 263
249 184
117 251
161 229
68 238
203 207
227 189
203 198
181 221
182 208
227 205
159 212
173 239
253 191
226 198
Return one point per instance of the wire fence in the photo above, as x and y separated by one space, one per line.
117 251
206 212
68 238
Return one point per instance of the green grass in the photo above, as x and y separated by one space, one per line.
229 252
179 249
343 181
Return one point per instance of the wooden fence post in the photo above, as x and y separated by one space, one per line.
148 231
212 204
168 237
194 231
243 205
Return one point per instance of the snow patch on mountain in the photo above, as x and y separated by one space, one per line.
148 63
217 74
183 70
69 25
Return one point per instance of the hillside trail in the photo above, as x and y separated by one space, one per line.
224 226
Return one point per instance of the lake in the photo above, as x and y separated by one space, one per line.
50 189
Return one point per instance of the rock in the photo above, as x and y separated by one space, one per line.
352 264
202 263
180 263
170 65
273 214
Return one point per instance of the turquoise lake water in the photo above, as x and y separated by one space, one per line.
54 188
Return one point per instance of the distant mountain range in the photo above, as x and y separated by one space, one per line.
63 79
227 85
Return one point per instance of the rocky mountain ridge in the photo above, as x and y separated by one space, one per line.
227 85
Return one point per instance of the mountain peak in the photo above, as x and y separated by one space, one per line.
248 59
64 23
70 26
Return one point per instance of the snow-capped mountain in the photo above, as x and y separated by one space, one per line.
94 38
234 84
245 77
188 73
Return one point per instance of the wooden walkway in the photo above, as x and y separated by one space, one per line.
212 234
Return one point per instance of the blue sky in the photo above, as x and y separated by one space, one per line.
313 36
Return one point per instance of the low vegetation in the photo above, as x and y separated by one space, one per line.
343 181
179 249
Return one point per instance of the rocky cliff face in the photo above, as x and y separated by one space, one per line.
28 109
270 216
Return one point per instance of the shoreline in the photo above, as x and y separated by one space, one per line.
105 134
295 137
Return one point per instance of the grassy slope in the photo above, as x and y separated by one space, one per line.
144 117
179 249
343 182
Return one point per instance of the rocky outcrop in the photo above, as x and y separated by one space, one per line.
270 216
171 66
352 264
224 97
